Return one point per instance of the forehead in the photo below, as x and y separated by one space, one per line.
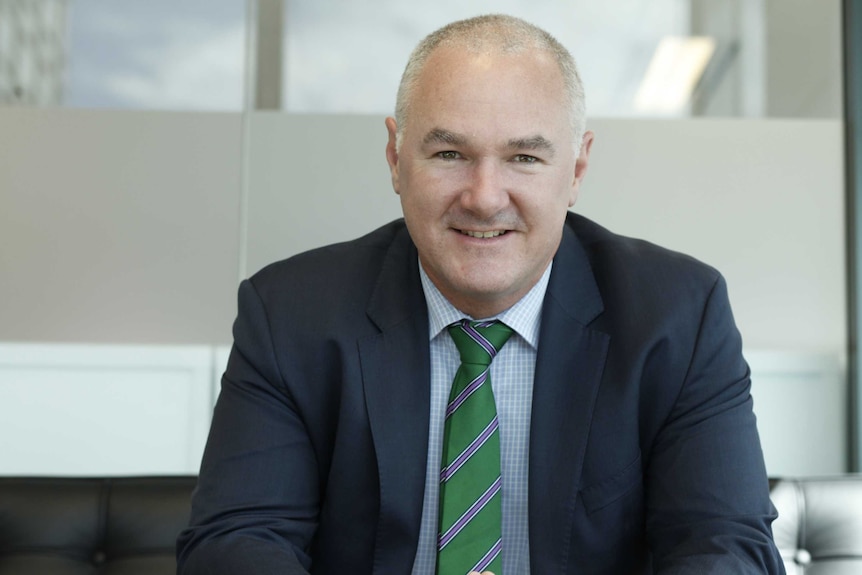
460 87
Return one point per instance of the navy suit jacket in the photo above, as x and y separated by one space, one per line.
644 455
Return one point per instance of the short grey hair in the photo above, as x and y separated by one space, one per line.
493 33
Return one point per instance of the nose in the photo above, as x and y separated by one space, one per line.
485 194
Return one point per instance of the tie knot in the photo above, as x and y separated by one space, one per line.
479 341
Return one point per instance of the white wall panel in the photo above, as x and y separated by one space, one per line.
122 410
800 400
103 410
220 357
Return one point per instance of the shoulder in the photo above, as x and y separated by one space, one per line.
340 275
614 257
351 259
643 286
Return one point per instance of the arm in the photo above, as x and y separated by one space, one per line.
256 504
708 507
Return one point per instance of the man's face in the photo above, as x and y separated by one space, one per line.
486 172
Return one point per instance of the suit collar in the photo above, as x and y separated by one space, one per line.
397 295
573 286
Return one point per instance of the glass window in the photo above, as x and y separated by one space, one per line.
158 54
637 57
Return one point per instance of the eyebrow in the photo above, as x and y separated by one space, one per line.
532 143
441 136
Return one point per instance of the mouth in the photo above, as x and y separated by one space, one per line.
478 234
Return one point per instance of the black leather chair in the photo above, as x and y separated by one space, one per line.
128 526
819 525
109 526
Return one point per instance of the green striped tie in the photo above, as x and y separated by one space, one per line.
470 537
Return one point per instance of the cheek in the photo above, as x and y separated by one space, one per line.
427 194
544 201
416 206
420 211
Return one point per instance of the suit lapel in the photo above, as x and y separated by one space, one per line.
396 376
569 367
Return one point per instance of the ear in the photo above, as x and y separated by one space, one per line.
581 164
392 153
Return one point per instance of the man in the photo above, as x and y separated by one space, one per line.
623 427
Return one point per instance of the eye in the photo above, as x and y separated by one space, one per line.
525 159
448 155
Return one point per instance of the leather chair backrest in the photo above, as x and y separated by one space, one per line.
128 526
819 525
110 526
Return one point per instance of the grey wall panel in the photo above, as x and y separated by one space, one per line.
314 180
761 200
123 226
118 226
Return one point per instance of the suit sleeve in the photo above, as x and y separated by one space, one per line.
256 504
708 506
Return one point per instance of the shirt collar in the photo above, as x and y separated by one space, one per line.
524 317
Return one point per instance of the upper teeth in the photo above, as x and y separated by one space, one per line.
493 234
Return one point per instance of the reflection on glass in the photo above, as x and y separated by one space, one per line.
767 58
343 56
336 44
32 51
676 68
158 54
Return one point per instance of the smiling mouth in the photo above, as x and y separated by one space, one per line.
491 234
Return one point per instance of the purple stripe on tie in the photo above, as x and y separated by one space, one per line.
448 471
466 392
489 557
479 338
468 516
